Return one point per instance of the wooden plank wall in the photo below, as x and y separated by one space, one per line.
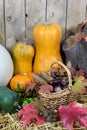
18 17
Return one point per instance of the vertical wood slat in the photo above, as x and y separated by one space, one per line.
2 35
35 10
75 12
14 21
86 11
58 8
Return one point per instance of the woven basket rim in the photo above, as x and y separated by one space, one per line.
55 94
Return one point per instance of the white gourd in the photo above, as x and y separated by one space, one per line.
6 66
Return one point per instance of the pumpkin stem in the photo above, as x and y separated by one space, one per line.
46 12
47 21
25 41
17 105
49 17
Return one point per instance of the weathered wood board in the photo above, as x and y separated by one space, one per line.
14 21
18 17
57 8
2 26
35 11
76 12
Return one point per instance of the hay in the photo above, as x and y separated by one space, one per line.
11 122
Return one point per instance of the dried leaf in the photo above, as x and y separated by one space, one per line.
77 72
46 88
86 39
79 85
29 115
80 73
80 26
72 71
79 36
79 113
73 112
66 117
30 87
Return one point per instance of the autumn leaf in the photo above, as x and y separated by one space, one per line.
29 115
72 71
46 88
79 85
80 73
71 113
79 113
30 87
66 117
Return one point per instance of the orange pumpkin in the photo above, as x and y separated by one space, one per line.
19 82
30 75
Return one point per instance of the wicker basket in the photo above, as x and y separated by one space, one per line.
54 100
82 99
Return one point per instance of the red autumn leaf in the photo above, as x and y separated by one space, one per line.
30 86
79 113
80 26
72 71
73 112
80 73
46 88
86 39
79 36
66 117
29 113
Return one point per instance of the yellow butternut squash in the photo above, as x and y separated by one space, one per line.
47 40
22 55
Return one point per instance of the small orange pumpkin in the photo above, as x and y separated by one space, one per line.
30 75
19 82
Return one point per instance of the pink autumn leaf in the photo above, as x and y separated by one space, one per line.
46 88
66 117
86 39
27 108
79 113
29 113
27 119
40 120
74 112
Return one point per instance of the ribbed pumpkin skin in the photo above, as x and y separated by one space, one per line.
22 55
19 83
47 39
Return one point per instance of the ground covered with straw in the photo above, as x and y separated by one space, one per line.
11 122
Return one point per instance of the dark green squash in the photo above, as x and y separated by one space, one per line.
9 100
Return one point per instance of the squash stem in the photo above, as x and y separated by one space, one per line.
17 105
49 18
25 41
46 12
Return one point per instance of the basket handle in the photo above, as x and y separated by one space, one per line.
67 70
